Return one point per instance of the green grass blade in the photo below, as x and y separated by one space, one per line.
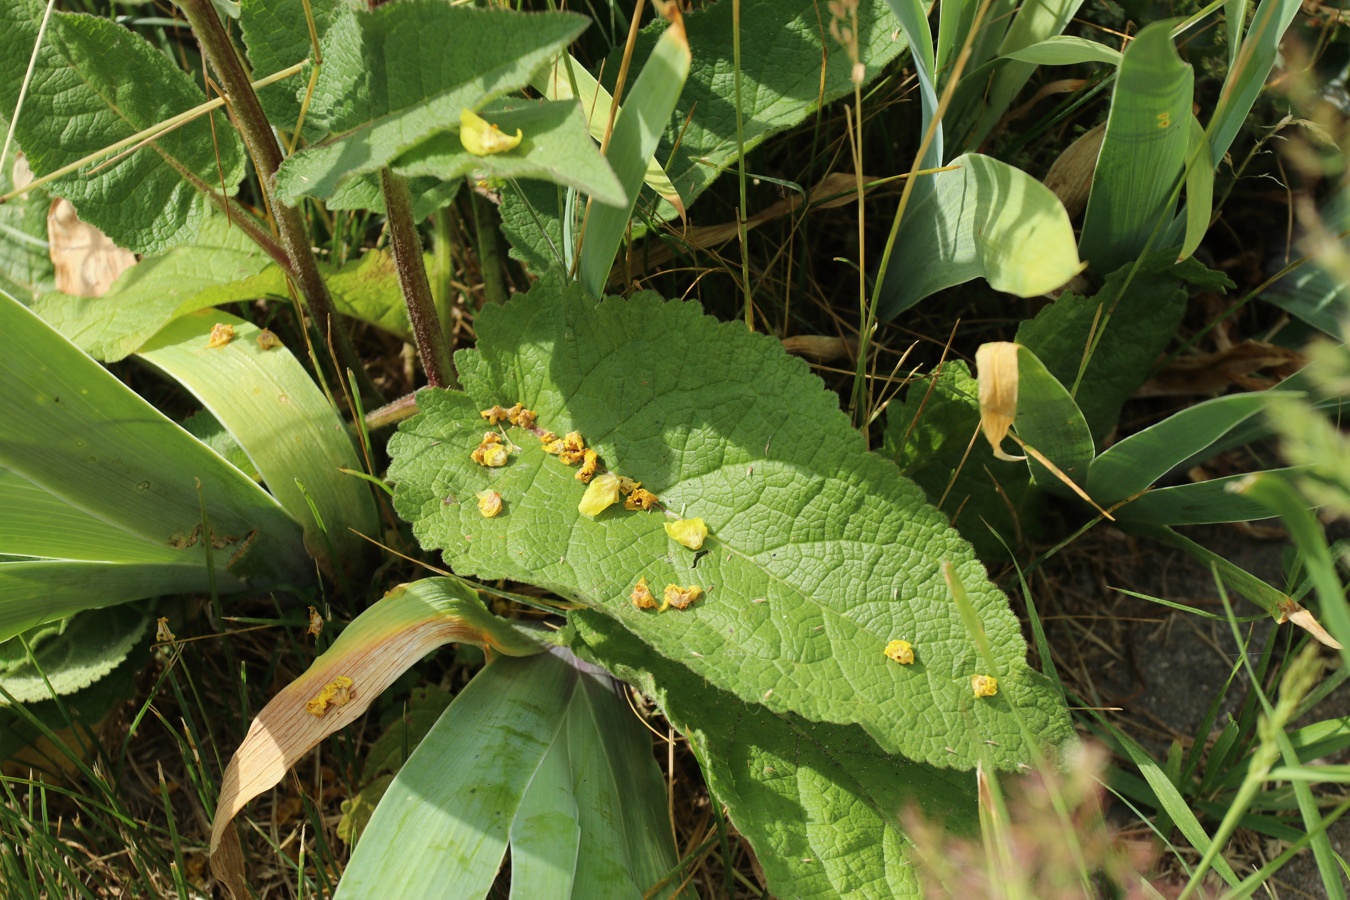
1135 463
1199 188
637 131
1203 503
1143 152
1247 75
1064 50
272 407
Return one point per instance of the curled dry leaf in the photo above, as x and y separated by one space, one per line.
996 365
379 646
1292 611
86 260
1070 176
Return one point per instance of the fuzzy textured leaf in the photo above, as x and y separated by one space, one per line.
841 552
399 74
90 646
89 91
819 803
276 34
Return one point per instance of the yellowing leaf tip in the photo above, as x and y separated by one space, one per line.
482 138
689 532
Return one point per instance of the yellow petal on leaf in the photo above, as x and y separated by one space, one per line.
336 693
589 463
489 503
374 650
680 597
996 368
984 685
481 138
221 334
601 494
900 651
491 452
642 595
642 499
493 415
689 532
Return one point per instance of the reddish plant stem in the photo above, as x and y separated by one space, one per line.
406 245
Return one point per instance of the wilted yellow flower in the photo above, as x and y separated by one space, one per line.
640 498
494 415
680 597
315 622
589 462
489 503
162 632
628 485
900 651
221 334
492 455
267 340
997 369
642 595
689 532
601 494
481 138
984 685
337 692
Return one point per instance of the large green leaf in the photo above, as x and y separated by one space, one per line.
293 436
222 266
1143 152
402 72
636 133
537 753
92 443
820 553
1145 306
89 647
984 219
556 146
89 90
277 35
819 803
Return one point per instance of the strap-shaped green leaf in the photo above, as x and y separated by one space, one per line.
537 752
1064 50
1143 153
820 553
818 802
399 74
89 90
276 412
1202 503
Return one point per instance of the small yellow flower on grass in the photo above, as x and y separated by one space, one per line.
491 452
641 499
689 532
489 503
642 595
601 494
221 334
162 632
680 597
482 138
984 685
589 463
900 651
337 692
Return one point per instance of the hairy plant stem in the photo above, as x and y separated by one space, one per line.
266 153
489 258
406 245
404 407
